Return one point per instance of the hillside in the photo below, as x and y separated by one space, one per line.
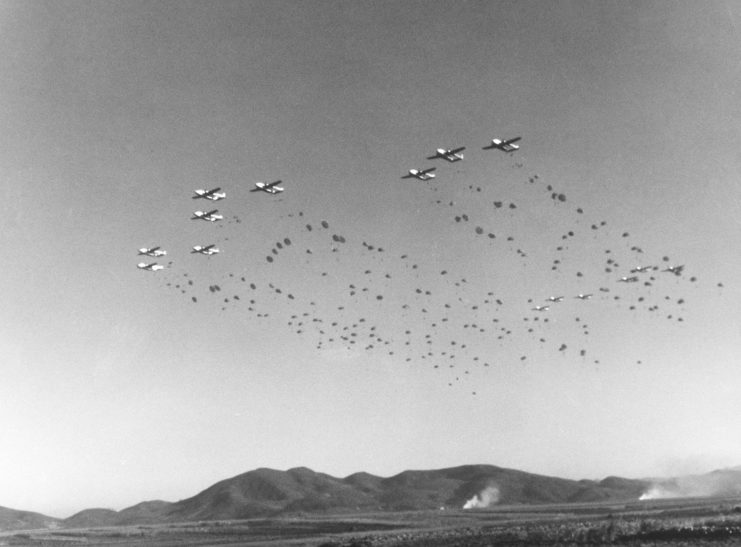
88 518
146 512
270 492
721 482
12 519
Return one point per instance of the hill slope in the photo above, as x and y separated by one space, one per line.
270 492
146 512
12 519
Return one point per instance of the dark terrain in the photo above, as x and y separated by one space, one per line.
688 521
413 508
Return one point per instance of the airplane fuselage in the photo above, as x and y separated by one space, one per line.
268 188
208 251
419 174
213 195
210 216
503 145
152 252
153 267
447 155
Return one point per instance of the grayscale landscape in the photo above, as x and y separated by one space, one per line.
416 272
466 505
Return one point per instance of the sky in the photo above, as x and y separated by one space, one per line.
402 335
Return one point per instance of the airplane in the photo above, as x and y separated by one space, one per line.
641 269
541 308
554 298
213 195
631 279
211 216
506 145
154 251
676 270
582 296
153 267
208 250
421 174
448 155
269 188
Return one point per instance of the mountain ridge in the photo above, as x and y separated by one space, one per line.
266 492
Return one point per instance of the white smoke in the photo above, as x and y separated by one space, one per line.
654 493
725 482
483 499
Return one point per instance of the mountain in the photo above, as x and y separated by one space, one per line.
721 482
12 519
265 492
270 492
88 518
146 512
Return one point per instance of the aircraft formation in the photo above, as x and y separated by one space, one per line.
412 310
211 216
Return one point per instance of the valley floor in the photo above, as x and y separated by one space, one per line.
659 522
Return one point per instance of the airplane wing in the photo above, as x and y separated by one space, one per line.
433 157
510 141
425 171
461 149
206 193
272 184
211 213
208 247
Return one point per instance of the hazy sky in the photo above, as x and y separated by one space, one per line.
118 387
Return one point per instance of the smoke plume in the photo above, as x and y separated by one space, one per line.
483 499
725 482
